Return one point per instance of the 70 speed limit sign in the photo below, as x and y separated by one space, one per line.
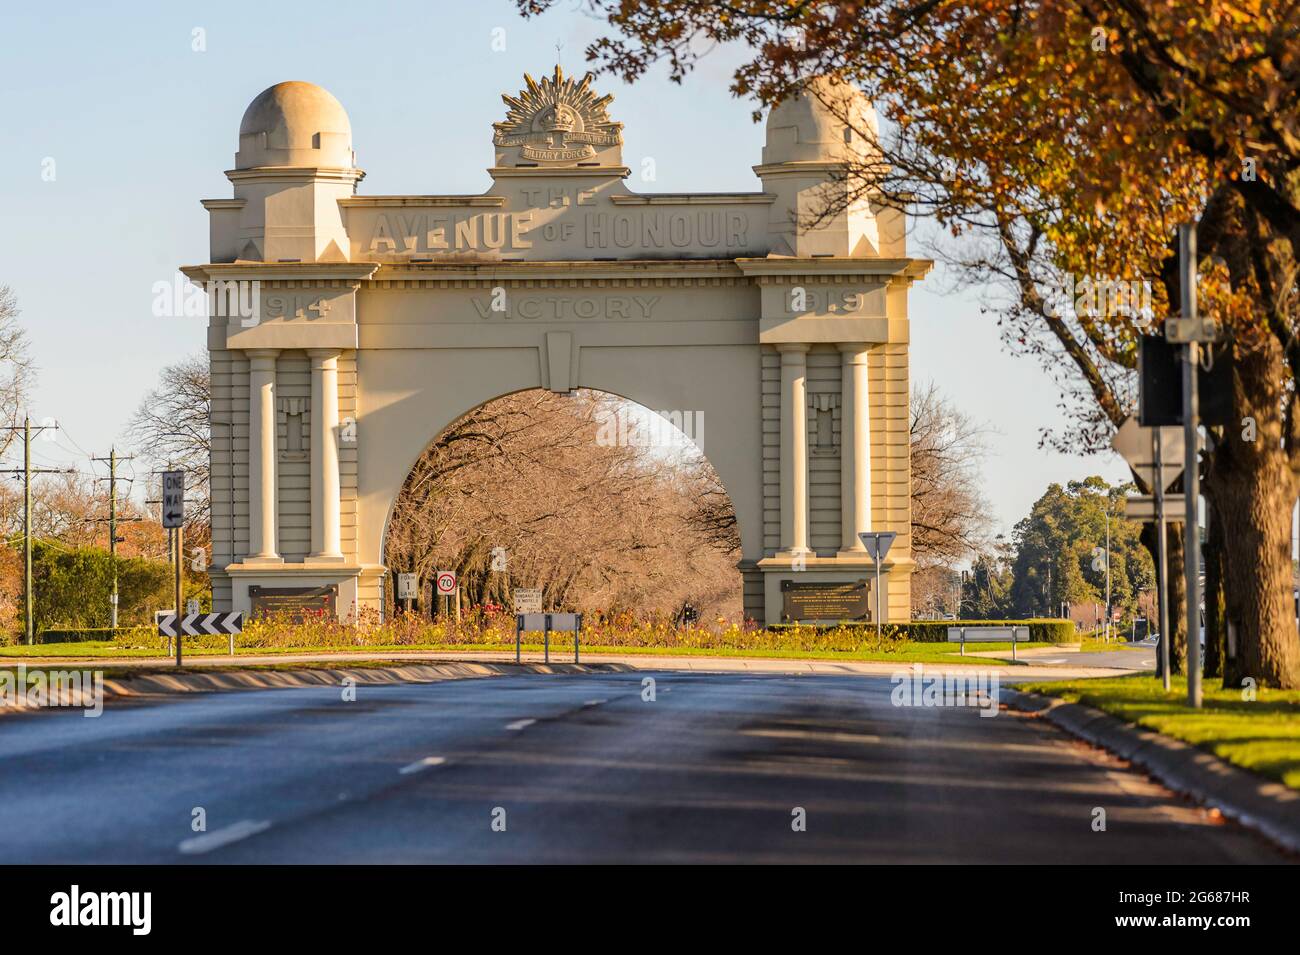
446 582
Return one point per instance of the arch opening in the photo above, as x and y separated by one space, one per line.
607 507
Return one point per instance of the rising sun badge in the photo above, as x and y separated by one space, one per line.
557 120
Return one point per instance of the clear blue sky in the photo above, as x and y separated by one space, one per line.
141 127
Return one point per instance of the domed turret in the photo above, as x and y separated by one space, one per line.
828 121
814 137
295 124
294 164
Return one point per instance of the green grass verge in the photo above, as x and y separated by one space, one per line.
906 652
1101 646
1262 735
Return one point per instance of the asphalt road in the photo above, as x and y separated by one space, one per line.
584 770
1133 657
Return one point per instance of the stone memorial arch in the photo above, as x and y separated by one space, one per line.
347 331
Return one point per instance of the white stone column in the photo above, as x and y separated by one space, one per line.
324 455
794 449
261 456
855 448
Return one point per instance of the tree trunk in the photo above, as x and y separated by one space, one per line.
1253 490
1214 605
1176 594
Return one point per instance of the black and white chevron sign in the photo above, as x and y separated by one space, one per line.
200 624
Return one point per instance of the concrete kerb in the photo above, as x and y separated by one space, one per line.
1268 807
156 678
710 664
147 684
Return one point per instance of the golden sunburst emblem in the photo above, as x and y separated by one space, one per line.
557 120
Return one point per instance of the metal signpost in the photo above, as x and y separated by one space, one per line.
546 622
446 586
173 518
1135 442
407 587
158 616
1190 330
1152 451
198 625
1144 507
877 544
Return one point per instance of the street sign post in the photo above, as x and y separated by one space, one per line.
175 626
407 588
200 624
173 499
1153 453
877 544
1136 444
528 600
1190 329
445 583
1143 507
173 518
546 622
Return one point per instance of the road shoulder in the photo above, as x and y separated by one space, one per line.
1261 804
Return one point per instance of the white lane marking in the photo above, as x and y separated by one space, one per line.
223 837
595 702
420 764
520 724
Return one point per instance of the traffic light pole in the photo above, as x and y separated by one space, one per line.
1191 478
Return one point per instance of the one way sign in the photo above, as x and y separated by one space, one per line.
200 624
173 498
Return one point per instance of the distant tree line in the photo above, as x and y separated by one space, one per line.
1056 559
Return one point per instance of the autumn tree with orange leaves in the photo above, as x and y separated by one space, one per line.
1065 140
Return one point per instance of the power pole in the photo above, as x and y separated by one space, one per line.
113 521
27 471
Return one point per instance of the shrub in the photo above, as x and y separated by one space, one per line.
497 629
72 587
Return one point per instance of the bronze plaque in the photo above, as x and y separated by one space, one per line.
822 601
295 602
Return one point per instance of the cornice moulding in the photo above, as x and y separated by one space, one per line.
798 168
365 202
293 271
776 267
693 199
263 173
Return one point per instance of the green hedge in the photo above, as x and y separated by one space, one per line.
1040 630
